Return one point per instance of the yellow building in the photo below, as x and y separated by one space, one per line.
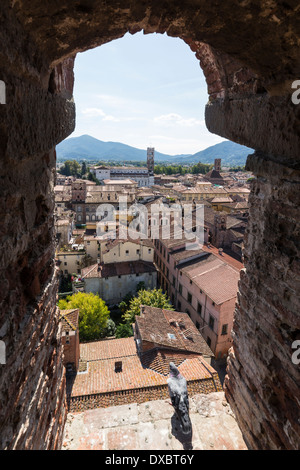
70 262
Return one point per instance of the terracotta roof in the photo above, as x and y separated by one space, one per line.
112 243
186 254
221 200
174 330
107 349
117 269
69 318
216 278
101 375
159 359
224 257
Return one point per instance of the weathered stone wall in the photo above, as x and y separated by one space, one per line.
263 382
33 120
249 52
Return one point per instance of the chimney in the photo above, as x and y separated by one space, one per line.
118 366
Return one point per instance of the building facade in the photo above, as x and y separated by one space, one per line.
203 284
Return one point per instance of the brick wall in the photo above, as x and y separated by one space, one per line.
263 382
139 395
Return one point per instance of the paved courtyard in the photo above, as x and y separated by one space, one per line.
153 426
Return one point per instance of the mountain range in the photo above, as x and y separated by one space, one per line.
89 148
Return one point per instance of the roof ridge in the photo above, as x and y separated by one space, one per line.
68 321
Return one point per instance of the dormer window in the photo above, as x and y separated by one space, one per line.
171 336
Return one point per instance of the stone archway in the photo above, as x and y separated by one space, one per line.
249 55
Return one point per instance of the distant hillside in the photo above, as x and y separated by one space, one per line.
232 154
88 148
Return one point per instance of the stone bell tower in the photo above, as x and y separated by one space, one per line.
150 160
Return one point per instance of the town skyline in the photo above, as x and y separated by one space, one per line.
153 92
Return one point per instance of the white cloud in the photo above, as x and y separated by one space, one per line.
177 119
98 112
110 118
93 112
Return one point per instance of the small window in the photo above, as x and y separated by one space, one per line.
199 308
224 329
211 322
180 289
189 298
171 336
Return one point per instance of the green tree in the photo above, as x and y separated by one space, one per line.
92 177
124 330
71 168
83 169
93 314
110 329
152 298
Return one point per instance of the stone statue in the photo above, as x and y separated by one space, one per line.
179 396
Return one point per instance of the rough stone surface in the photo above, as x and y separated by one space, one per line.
262 385
249 52
154 426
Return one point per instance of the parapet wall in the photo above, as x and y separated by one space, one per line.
139 395
249 52
262 385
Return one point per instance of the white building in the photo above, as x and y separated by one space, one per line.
112 282
138 174
144 176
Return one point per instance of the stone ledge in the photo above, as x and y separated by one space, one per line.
153 426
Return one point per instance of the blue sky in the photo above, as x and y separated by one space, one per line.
143 90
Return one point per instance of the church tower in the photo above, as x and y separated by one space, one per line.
217 165
150 160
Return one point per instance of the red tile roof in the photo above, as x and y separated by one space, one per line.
224 257
108 349
70 318
218 280
158 326
101 376
117 269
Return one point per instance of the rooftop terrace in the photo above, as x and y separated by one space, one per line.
153 426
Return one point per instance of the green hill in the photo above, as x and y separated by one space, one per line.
88 148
